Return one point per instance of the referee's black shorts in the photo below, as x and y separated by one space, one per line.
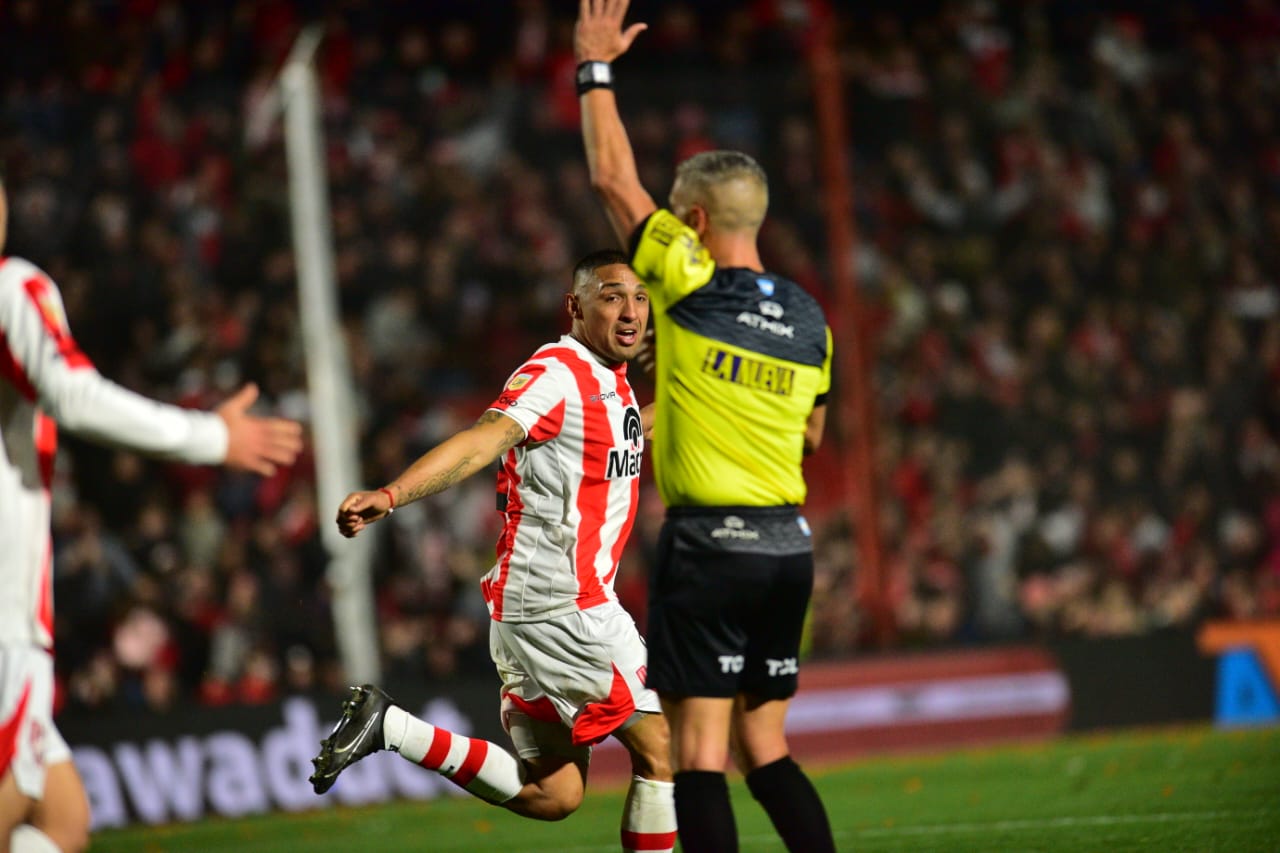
727 601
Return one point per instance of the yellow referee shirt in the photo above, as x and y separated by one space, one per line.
743 358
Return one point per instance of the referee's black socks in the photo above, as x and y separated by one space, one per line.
791 802
704 815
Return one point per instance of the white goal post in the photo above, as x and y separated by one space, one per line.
329 383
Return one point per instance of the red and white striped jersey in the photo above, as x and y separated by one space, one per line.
47 382
570 489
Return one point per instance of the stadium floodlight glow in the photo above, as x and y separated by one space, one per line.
331 398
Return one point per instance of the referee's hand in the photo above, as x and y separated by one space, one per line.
598 35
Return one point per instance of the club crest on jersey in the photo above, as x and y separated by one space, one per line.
766 286
519 381
625 461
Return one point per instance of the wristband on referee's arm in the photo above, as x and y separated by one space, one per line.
390 499
594 74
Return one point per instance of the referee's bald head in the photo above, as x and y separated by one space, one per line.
729 185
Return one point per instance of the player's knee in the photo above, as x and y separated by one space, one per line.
560 806
551 798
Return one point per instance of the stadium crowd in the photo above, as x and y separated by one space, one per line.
1068 223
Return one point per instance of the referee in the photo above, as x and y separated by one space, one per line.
743 370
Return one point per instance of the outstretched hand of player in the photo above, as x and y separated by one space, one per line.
598 34
257 444
360 509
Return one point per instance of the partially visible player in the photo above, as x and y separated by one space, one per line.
46 382
571 436
742 373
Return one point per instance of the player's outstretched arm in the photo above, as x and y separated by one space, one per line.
257 444
57 375
598 37
445 465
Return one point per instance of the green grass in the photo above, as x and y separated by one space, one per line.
1190 789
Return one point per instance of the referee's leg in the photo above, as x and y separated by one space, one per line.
774 779
700 749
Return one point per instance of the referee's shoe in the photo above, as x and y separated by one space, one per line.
357 734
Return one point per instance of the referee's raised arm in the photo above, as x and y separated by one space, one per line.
599 39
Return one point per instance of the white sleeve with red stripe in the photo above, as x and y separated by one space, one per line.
534 397
45 362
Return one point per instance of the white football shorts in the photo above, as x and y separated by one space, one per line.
571 681
29 741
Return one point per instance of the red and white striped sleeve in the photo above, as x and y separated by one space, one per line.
534 397
40 358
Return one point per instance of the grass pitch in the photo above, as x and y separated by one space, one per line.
1193 789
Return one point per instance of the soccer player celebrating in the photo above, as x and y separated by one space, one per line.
743 370
46 382
570 435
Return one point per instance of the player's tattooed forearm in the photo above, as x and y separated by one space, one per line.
514 434
466 465
443 480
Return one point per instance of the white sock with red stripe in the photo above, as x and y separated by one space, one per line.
27 839
649 817
478 766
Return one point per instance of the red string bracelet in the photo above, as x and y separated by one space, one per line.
390 497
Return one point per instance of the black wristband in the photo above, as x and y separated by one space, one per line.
594 74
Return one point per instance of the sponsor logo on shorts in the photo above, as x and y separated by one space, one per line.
731 663
735 528
804 525
786 666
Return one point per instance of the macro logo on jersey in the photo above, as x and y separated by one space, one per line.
751 373
625 461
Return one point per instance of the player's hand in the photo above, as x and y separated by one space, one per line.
647 355
360 509
257 444
598 34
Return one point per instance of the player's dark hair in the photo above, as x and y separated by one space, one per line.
584 270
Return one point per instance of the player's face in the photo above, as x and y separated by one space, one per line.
611 316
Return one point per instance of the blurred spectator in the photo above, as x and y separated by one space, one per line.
1069 224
